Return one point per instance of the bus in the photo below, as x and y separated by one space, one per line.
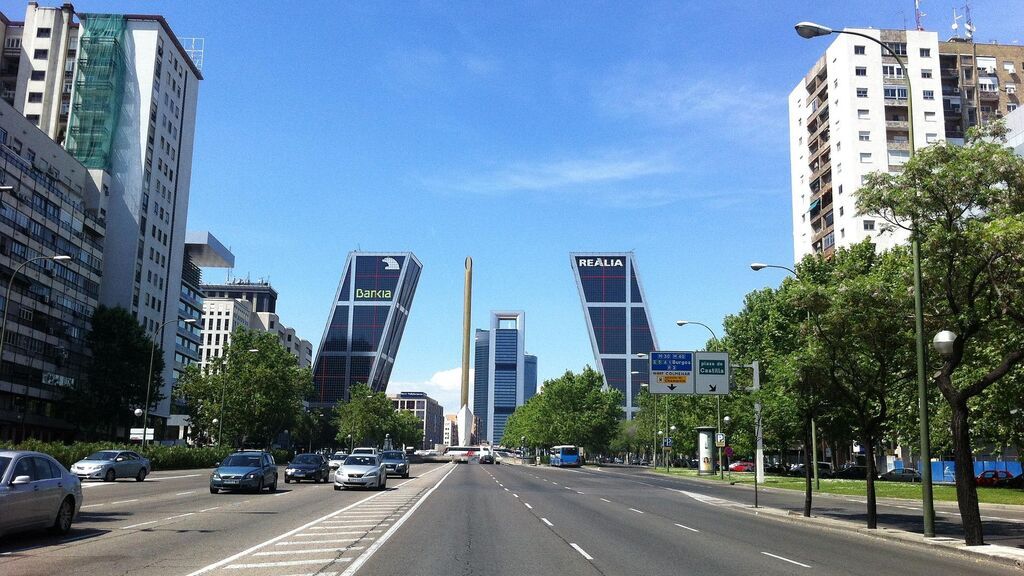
562 456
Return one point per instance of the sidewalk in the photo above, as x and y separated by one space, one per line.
1006 555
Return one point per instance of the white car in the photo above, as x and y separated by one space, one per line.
361 471
336 459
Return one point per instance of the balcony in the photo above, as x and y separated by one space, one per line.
897 144
897 124
988 95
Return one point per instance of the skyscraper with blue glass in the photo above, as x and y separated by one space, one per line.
365 324
615 309
505 375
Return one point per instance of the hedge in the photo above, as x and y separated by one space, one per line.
161 457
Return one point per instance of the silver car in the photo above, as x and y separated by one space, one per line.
36 492
336 459
109 465
363 471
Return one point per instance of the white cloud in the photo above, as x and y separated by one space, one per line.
444 386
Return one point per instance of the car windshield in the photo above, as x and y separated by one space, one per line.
4 463
103 455
360 461
392 455
242 460
306 459
339 455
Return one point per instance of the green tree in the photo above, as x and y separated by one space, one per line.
254 391
115 382
367 416
966 206
405 429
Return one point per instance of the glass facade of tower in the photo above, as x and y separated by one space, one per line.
615 310
365 324
505 376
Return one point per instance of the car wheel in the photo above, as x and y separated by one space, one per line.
214 490
338 488
141 476
383 482
273 485
287 479
110 476
66 512
406 475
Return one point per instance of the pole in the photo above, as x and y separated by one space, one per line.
758 430
814 455
718 409
467 313
654 432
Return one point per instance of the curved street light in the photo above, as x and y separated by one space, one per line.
149 377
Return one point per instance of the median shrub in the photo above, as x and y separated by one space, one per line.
162 457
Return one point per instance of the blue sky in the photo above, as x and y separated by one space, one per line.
513 132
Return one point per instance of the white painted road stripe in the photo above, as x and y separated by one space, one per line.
578 492
125 501
688 528
208 509
179 516
637 511
785 559
545 520
159 478
606 500
581 551
137 525
185 493
527 504
289 563
331 541
284 552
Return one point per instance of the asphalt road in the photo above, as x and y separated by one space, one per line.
459 520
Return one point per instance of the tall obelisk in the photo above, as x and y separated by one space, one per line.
465 417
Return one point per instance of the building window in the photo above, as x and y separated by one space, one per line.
35 97
865 157
926 52
841 211
862 115
39 74
862 92
42 32
929 94
1010 107
926 73
892 71
931 137
33 118
869 225
861 71
858 49
864 135
929 116
900 48
41 54
1011 88
895 92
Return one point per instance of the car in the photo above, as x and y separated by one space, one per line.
307 467
741 466
777 468
852 473
901 475
245 470
824 470
1015 482
361 471
109 465
36 492
992 477
396 463
337 458
365 450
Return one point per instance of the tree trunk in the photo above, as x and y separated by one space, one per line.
966 491
807 467
870 465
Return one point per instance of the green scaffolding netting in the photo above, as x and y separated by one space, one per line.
99 86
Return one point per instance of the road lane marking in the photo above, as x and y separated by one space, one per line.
507 490
688 528
545 520
606 500
581 551
179 516
159 478
185 493
91 506
288 563
362 558
527 504
125 501
330 541
282 493
137 525
637 511
785 559
578 492
516 495
208 509
286 552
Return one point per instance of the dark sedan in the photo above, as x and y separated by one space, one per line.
396 463
245 470
852 473
901 475
308 467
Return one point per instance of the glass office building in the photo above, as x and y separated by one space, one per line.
365 324
505 377
615 310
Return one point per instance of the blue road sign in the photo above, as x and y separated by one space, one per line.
672 361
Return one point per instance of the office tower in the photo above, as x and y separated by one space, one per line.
365 324
48 207
615 310
430 413
505 377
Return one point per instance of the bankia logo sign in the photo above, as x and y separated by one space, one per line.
377 278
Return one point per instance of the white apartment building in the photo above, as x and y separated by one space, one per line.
271 322
849 117
222 315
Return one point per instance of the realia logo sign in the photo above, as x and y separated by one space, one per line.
600 262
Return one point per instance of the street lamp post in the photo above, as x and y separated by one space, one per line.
7 307
726 420
350 448
812 30
718 398
149 377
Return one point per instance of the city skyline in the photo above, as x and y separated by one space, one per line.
512 134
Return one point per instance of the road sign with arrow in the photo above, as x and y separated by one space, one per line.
712 374
671 373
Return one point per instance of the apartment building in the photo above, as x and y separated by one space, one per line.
850 116
430 413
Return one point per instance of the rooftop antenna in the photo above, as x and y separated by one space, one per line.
956 26
968 23
918 15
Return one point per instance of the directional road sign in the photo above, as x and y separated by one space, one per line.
712 373
666 442
671 373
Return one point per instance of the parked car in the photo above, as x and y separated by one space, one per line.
245 470
396 463
741 466
992 477
337 458
1015 482
307 467
852 473
824 470
36 492
363 471
901 475
109 465
776 469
